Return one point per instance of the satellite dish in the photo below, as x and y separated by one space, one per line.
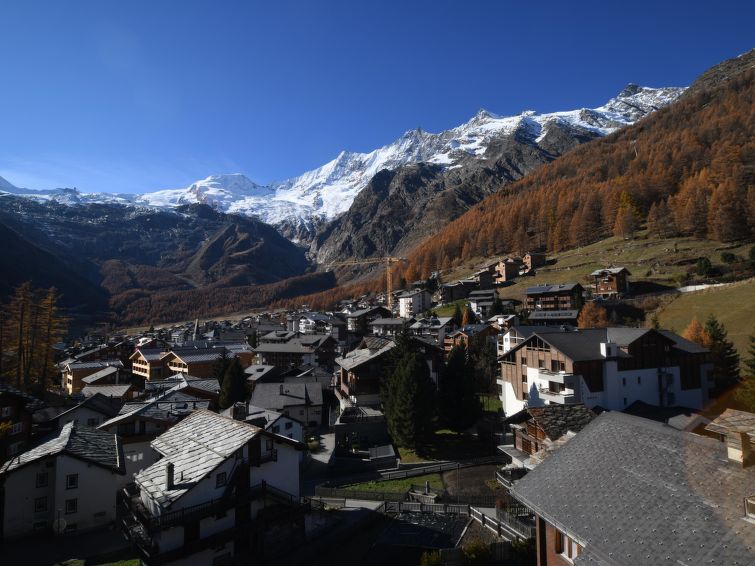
59 526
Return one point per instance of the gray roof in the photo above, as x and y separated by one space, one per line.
169 407
99 403
556 419
149 354
95 365
611 270
732 421
110 370
195 446
547 289
390 322
32 403
97 447
278 396
568 314
637 492
106 390
360 356
198 355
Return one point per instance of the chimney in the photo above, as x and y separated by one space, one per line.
739 448
281 389
169 472
238 411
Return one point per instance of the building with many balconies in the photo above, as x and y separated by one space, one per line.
607 367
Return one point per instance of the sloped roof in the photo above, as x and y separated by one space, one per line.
110 370
611 270
99 403
32 403
195 446
360 356
94 446
106 390
557 419
733 421
149 354
546 289
168 407
637 492
277 396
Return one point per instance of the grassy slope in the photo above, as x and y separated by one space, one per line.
399 485
733 305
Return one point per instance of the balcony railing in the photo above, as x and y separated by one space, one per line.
507 476
561 397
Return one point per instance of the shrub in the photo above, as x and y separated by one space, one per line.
703 266
430 558
477 552
728 257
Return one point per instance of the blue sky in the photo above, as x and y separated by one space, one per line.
144 95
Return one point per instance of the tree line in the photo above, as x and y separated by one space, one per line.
31 324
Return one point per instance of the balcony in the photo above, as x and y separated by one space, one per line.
563 397
568 379
508 475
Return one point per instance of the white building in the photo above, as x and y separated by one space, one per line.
413 303
207 499
67 484
607 367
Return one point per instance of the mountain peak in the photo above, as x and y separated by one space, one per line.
6 186
630 90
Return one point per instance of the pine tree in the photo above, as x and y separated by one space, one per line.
457 315
233 388
723 355
220 366
746 390
408 397
460 406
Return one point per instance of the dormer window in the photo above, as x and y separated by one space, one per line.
221 479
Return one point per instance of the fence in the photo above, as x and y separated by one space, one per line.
368 495
416 507
499 552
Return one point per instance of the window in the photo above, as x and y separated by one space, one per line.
17 428
276 429
42 479
268 445
72 506
639 380
221 479
524 361
40 504
72 481
289 425
625 401
624 382
93 422
566 547
6 411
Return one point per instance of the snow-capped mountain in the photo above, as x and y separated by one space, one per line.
328 191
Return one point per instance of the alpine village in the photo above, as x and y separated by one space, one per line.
527 340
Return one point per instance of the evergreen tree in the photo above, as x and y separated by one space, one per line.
497 306
723 355
233 388
457 315
409 400
253 338
746 390
221 366
459 403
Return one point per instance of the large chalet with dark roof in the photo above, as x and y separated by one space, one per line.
607 367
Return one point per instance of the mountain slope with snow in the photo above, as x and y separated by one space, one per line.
301 204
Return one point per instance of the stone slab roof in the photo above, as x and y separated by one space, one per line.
557 419
93 446
278 396
637 492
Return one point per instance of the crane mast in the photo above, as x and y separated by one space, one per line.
375 260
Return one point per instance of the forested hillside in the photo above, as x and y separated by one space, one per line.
686 169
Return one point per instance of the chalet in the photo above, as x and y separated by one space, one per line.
611 283
361 371
536 431
296 349
564 296
506 270
450 292
411 303
532 260
358 321
139 422
467 335
628 491
481 302
199 362
66 484
110 375
73 373
606 367
301 401
503 322
222 492
517 333
389 326
16 410
435 328
485 277
147 363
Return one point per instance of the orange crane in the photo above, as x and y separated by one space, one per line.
373 260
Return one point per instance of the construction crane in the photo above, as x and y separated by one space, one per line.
371 261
